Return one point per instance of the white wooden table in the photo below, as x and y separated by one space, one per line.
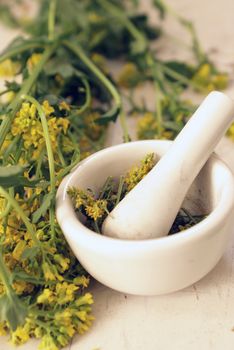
201 316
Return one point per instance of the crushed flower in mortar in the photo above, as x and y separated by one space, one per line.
95 207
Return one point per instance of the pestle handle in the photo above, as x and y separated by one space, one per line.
149 210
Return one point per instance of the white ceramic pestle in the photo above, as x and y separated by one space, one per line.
150 208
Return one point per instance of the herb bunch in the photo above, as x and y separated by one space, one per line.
55 110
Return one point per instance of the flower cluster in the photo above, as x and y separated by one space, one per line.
208 78
9 68
57 325
94 208
137 173
28 125
52 283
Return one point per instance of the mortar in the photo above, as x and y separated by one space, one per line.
150 266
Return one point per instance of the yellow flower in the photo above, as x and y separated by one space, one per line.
62 261
129 75
20 335
47 108
207 78
22 287
24 119
147 127
63 340
96 210
8 68
137 173
49 273
28 124
69 330
63 106
84 326
81 315
38 332
18 250
48 343
46 297
81 281
85 299
65 292
33 61
63 317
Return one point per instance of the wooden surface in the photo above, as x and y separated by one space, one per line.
201 316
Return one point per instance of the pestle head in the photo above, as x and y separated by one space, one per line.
150 208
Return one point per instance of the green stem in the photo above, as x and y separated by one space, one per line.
22 215
49 149
123 123
60 154
10 148
158 92
51 19
25 88
39 164
5 274
158 108
116 12
120 189
45 128
87 102
7 210
76 49
181 78
19 49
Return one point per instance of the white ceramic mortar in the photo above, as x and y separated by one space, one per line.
151 266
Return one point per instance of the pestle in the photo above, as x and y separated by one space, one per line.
150 208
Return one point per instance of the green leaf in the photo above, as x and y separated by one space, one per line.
30 253
11 176
181 68
12 85
12 310
47 200
21 275
56 66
